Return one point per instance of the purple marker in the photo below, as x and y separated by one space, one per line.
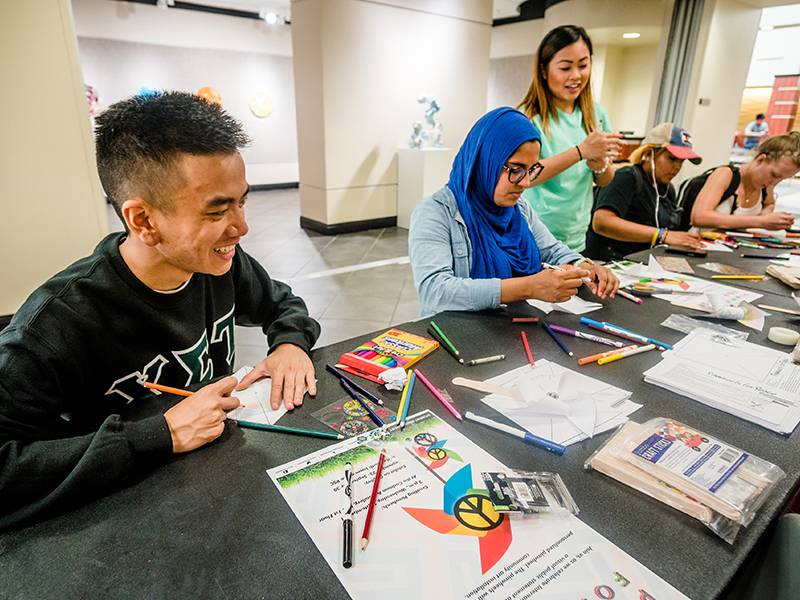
587 336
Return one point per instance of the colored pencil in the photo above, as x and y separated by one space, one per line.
525 320
788 311
372 498
607 359
486 359
354 385
526 436
557 268
412 377
435 336
375 418
438 395
595 357
748 277
553 335
586 336
329 435
628 296
750 255
527 348
447 341
166 389
403 396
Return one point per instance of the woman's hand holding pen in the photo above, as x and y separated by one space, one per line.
555 285
200 418
604 283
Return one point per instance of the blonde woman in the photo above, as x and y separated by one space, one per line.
638 209
577 144
752 203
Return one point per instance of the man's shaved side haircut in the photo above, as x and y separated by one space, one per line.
139 140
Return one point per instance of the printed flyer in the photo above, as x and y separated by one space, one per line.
435 533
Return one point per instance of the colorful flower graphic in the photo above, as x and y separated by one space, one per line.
468 511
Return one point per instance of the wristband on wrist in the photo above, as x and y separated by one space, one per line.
654 237
601 171
662 236
580 154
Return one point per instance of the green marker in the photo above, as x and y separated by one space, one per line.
447 342
328 435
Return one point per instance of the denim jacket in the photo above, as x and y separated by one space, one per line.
441 255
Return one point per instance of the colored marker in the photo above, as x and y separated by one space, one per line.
619 355
587 336
487 359
354 385
553 335
595 357
447 341
528 352
438 395
750 255
529 438
628 296
622 332
347 517
556 268
328 435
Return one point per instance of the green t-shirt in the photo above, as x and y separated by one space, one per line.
564 202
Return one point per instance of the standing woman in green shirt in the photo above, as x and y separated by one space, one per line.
577 144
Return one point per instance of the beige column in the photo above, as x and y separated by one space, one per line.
359 67
53 210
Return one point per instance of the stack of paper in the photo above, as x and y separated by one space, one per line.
255 401
753 382
573 306
559 404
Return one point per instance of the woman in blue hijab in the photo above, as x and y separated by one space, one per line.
473 245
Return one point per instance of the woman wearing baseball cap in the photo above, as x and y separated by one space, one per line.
638 209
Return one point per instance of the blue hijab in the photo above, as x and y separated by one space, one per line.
502 243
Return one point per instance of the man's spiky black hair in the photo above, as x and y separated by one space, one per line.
138 141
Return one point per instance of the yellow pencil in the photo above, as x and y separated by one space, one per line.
753 277
403 398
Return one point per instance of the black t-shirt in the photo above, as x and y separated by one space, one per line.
630 196
74 420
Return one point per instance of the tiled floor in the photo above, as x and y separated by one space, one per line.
346 304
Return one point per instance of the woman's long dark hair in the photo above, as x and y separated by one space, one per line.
539 99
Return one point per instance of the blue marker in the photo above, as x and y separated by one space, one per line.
533 440
622 332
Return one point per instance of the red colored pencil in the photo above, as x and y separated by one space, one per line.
527 347
371 509
525 320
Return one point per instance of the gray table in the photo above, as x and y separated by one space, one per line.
752 265
211 524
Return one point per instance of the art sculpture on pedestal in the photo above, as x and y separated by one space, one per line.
433 135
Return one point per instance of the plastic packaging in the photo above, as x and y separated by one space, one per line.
528 492
686 324
714 482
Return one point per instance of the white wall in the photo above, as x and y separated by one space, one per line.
359 69
630 83
117 69
147 24
516 39
55 215
719 74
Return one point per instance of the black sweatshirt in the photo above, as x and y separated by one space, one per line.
72 421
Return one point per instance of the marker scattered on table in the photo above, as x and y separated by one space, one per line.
347 517
629 296
586 336
487 359
553 335
328 435
751 255
556 268
622 332
595 357
372 498
528 352
619 355
529 438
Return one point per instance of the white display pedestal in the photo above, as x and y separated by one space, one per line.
419 174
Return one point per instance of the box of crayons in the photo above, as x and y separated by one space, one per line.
393 348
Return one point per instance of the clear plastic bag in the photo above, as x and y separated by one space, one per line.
718 484
528 492
686 324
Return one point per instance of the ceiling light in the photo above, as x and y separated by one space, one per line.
631 35
271 18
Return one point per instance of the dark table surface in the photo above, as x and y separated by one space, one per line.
751 265
211 523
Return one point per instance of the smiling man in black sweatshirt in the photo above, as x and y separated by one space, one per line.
157 303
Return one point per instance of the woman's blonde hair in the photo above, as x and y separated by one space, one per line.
539 99
639 155
778 146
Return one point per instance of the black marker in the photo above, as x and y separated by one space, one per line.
347 518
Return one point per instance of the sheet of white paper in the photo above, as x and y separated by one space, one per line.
255 401
606 406
747 380
573 306
715 246
429 542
